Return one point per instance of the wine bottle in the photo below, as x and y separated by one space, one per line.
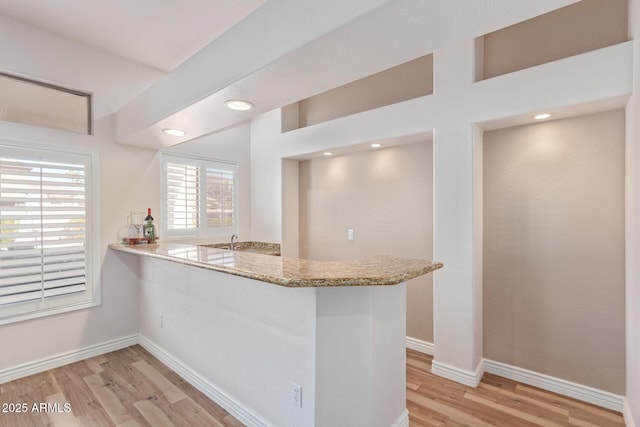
149 227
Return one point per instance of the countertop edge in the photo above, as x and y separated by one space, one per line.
320 282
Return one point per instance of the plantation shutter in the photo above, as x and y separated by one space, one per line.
43 217
220 196
183 196
199 196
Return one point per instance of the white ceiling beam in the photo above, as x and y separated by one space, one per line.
289 50
271 32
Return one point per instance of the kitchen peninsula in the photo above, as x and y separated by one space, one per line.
279 341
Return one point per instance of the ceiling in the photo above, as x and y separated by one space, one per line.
158 33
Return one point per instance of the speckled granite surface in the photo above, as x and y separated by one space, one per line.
255 247
372 271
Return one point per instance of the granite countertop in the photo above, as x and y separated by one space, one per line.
371 271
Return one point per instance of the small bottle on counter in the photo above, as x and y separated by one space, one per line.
149 227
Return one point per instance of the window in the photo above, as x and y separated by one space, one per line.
199 196
42 104
47 240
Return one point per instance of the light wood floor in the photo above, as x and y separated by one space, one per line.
129 388
497 401
125 388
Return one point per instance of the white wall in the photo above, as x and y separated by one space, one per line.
360 356
128 181
247 342
247 338
633 230
28 51
457 209
266 178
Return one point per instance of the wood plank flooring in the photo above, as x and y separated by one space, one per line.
125 388
497 401
130 388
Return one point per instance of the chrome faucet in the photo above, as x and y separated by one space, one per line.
232 246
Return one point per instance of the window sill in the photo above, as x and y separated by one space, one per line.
23 311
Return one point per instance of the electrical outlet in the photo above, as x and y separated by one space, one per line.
350 234
296 394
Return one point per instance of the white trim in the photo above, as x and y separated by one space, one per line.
566 388
201 231
581 392
37 366
628 416
213 392
92 295
403 420
468 378
425 347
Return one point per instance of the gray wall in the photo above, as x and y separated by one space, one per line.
553 280
633 230
400 83
386 196
581 27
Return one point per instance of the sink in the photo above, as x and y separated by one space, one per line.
252 247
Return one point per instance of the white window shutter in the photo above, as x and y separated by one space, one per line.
43 219
199 196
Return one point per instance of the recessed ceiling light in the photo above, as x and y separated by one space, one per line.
174 132
327 153
238 104
376 145
541 116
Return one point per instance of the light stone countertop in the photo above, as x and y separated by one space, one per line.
371 271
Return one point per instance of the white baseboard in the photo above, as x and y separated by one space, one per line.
403 420
468 378
557 385
545 382
418 345
567 388
238 410
37 366
628 416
